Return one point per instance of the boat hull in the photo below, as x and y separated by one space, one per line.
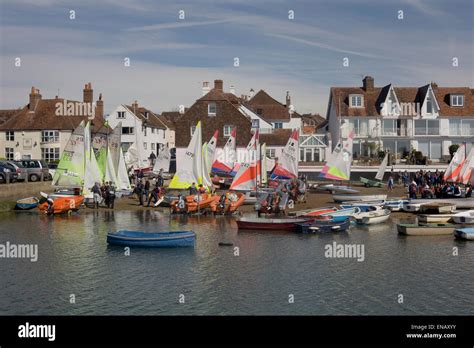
435 218
27 203
322 227
155 240
370 183
372 218
464 233
461 203
425 230
268 224
464 217
437 208
63 205
351 198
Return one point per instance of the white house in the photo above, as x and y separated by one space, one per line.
427 119
140 125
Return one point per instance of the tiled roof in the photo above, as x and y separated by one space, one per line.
271 109
279 137
315 120
44 117
374 97
153 119
6 114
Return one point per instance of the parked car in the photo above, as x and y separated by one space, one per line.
18 168
5 170
52 169
35 169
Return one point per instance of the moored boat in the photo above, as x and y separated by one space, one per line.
363 206
62 204
370 183
395 204
313 212
27 203
437 208
411 207
349 212
350 198
145 239
464 233
255 223
461 203
323 226
331 188
435 218
425 229
193 203
465 217
232 202
372 217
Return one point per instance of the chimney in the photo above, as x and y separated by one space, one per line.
35 97
219 85
232 89
252 93
135 106
434 85
88 93
288 99
368 83
205 88
99 109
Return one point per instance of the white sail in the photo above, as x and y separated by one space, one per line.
163 160
466 170
71 168
191 168
264 164
206 170
382 168
131 157
122 174
110 171
287 166
114 144
92 171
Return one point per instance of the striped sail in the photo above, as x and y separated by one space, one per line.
466 170
456 164
229 155
338 167
287 166
247 175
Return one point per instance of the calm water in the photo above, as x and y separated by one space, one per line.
74 258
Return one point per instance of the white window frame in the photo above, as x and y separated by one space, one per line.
145 145
153 146
353 97
271 153
10 135
50 154
227 130
121 114
426 133
209 112
50 136
280 125
455 98
255 123
9 153
129 128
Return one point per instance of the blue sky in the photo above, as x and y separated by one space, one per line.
171 57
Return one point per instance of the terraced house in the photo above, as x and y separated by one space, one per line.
41 128
429 118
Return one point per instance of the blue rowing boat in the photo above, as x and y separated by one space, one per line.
27 203
146 239
464 233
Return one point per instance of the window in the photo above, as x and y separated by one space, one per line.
10 135
153 131
227 130
128 130
193 129
270 153
461 127
455 127
120 114
278 125
211 109
429 105
49 136
389 127
426 127
9 155
50 154
153 146
360 127
144 129
457 99
259 112
356 100
256 123
144 146
146 114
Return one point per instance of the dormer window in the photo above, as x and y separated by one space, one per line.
457 100
146 114
211 109
429 105
356 100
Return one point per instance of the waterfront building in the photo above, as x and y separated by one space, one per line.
41 128
401 119
149 130
222 111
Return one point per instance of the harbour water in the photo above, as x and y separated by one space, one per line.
74 258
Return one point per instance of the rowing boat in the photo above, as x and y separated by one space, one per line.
373 217
322 226
255 223
464 233
425 229
27 203
437 208
461 203
351 198
466 217
145 239
435 218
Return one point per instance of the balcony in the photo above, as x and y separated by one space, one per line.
399 132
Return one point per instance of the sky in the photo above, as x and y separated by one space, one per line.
170 57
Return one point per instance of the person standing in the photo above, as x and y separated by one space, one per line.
154 195
146 190
139 190
193 190
390 183
97 195
111 196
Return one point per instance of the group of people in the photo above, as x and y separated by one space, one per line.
439 190
104 192
146 193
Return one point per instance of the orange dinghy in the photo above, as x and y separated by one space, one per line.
191 203
232 202
63 204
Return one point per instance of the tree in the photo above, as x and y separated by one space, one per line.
452 149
